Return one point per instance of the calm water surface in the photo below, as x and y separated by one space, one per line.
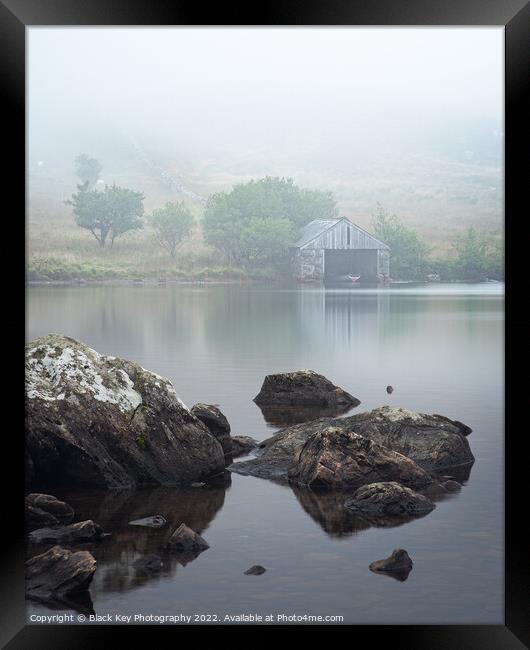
442 350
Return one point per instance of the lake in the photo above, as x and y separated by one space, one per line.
439 346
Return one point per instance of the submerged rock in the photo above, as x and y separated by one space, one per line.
333 458
59 575
242 445
82 531
46 510
389 499
156 521
302 388
186 539
398 565
432 441
255 570
101 421
150 563
217 425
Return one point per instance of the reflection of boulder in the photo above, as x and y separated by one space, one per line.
302 388
60 576
114 509
330 513
284 416
333 458
106 422
327 509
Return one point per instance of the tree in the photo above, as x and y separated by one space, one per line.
230 218
172 224
408 250
88 170
478 257
109 213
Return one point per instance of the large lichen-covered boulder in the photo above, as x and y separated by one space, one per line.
302 388
95 420
333 458
389 499
434 442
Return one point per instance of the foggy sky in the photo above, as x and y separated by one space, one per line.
206 90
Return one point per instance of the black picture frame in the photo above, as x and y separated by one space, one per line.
16 15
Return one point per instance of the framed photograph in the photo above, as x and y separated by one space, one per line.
266 374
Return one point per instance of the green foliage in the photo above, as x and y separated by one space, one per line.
109 213
141 441
172 224
477 257
257 221
88 169
408 250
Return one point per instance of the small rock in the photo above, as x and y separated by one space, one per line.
217 425
59 574
156 521
186 539
148 563
255 570
82 531
389 390
399 565
452 486
242 445
46 510
389 499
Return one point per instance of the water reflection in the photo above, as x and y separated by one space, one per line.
330 513
129 545
284 416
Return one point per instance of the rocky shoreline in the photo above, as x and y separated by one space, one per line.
96 421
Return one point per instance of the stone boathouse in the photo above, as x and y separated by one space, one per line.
330 249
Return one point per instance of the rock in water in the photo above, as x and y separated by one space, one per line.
156 521
336 459
59 575
82 531
242 445
186 539
101 421
255 570
432 441
217 425
399 565
389 499
389 390
302 388
46 510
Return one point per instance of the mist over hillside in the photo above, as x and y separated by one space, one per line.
409 118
